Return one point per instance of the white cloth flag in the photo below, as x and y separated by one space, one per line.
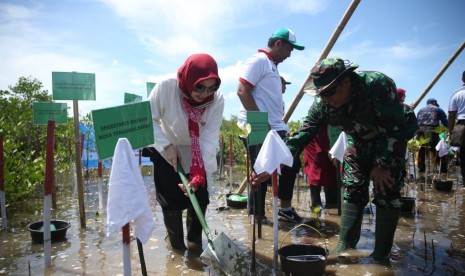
442 148
272 154
339 148
127 195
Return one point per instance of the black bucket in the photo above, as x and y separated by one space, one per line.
443 185
236 201
56 234
408 204
302 259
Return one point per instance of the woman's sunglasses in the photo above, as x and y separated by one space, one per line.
199 88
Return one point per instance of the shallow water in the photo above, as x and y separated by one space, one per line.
437 219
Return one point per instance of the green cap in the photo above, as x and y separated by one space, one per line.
327 72
289 36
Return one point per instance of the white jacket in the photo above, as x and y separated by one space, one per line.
170 124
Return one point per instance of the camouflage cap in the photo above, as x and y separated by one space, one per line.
326 72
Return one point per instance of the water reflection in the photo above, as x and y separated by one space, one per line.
429 240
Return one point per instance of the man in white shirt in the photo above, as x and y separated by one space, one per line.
260 89
457 112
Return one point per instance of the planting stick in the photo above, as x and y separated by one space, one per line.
126 250
100 186
413 237
49 175
80 185
434 255
426 251
274 182
2 186
230 162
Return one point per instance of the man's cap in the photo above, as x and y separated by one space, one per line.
283 81
327 72
431 101
289 36
400 92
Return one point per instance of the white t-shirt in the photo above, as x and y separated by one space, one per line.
261 72
457 103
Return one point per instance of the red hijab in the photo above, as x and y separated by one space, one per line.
197 68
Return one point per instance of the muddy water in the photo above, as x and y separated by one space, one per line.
429 240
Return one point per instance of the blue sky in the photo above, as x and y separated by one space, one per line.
127 43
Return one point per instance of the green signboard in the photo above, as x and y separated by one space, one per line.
150 86
132 98
131 121
43 112
73 86
258 122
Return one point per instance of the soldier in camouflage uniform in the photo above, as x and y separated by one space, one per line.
364 105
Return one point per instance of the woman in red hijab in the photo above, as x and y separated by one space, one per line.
187 112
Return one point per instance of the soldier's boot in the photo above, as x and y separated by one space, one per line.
350 226
386 224
173 224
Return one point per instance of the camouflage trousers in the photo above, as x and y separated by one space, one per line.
359 160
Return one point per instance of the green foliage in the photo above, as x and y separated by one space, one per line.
230 129
415 144
24 142
441 129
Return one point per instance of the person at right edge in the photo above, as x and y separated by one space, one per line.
365 105
457 112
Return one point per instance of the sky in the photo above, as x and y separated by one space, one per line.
128 43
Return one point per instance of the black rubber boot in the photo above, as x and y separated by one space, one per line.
174 227
315 195
194 229
350 226
331 197
386 224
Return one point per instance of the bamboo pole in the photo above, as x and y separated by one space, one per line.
443 69
332 40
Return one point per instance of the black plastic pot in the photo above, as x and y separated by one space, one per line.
408 204
58 234
232 200
443 185
302 259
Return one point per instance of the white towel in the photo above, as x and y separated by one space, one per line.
127 195
442 148
339 148
272 154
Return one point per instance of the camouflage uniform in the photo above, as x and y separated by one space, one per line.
375 125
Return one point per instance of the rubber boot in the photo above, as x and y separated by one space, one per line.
350 226
386 224
331 197
173 224
315 195
194 229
